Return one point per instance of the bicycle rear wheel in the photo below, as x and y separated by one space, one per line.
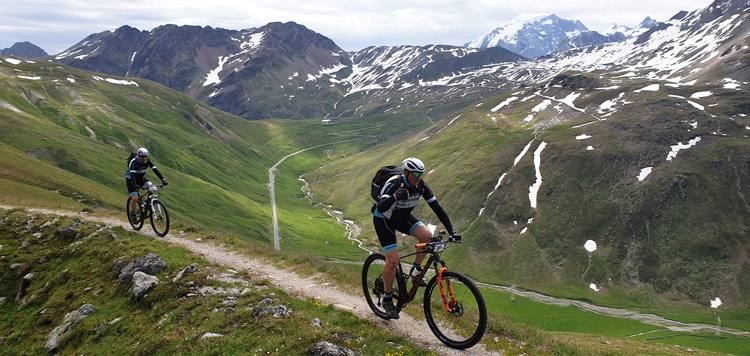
464 325
159 218
373 287
138 223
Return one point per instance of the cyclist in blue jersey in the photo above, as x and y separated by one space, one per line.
135 177
398 197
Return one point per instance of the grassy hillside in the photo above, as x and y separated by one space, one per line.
174 317
667 244
68 133
65 135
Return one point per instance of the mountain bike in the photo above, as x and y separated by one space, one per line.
149 206
453 305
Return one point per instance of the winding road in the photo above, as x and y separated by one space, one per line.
272 188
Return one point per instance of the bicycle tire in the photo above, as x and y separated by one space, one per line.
136 225
463 327
372 285
159 218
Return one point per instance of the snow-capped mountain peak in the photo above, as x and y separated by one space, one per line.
615 28
530 35
507 32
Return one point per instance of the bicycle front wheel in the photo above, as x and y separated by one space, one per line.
461 323
136 224
373 286
159 218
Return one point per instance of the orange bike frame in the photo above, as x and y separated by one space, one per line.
432 258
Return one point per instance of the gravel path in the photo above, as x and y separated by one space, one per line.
414 330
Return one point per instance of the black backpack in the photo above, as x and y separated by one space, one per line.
381 176
130 158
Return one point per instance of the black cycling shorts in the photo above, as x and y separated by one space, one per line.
132 190
386 230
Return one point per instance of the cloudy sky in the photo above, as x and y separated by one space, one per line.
352 24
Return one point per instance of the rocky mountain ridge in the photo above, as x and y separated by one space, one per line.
24 50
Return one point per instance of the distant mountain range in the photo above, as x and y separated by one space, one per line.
24 50
537 35
288 71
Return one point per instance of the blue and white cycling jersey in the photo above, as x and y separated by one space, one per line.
402 208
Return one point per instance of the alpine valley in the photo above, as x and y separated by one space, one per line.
635 139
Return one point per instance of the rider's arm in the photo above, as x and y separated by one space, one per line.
432 201
388 197
441 214
156 171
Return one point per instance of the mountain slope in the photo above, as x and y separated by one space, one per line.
644 151
531 35
286 70
24 50
679 50
679 233
218 66
69 131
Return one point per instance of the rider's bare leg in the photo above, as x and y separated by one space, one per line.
423 234
133 202
389 271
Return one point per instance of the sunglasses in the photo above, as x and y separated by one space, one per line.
417 174
143 156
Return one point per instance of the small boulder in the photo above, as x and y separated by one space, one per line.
278 311
325 348
189 269
150 264
142 283
68 233
69 323
25 283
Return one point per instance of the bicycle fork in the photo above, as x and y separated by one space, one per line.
450 307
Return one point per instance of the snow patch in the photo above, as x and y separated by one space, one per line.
523 152
4 104
652 87
534 188
680 146
590 245
120 82
594 287
27 77
644 173
213 76
12 61
504 103
715 303
696 105
583 137
700 94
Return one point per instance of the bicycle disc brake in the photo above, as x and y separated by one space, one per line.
456 308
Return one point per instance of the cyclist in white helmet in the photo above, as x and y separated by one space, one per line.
398 197
135 177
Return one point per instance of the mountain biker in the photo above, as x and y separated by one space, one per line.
135 177
398 197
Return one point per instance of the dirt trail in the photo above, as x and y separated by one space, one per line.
416 331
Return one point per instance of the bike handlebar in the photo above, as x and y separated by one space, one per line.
430 246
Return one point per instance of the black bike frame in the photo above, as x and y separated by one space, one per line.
148 197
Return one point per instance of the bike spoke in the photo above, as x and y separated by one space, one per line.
372 284
463 324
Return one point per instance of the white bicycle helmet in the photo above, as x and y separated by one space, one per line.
413 164
142 151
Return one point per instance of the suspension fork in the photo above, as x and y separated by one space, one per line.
446 304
